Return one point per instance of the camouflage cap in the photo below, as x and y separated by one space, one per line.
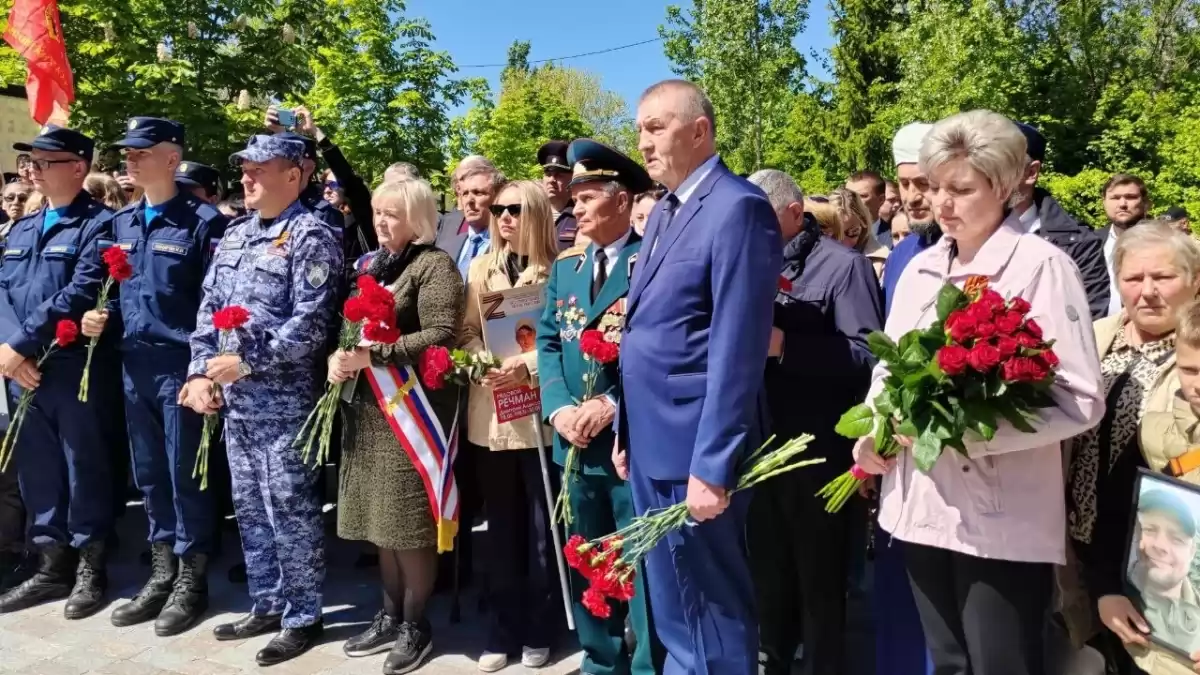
1165 501
263 148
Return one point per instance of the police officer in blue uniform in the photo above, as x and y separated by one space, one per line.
282 265
169 236
52 271
313 196
556 179
201 180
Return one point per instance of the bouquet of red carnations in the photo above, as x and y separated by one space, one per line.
225 320
370 314
119 271
982 361
610 563
65 332
598 351
440 366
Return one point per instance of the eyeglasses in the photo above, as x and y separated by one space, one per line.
332 185
19 197
43 164
498 209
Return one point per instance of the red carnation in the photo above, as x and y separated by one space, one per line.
984 357
381 333
1019 305
1034 329
230 318
355 309
117 262
435 363
377 302
575 552
1009 322
594 346
1007 346
953 359
595 603
65 332
960 326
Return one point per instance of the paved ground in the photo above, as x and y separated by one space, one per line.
41 642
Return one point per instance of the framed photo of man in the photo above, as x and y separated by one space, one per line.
1162 568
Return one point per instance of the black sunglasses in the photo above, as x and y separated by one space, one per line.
499 209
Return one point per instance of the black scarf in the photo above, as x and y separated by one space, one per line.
515 264
387 267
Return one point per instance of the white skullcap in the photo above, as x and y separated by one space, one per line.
906 146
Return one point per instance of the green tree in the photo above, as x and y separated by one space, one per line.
741 53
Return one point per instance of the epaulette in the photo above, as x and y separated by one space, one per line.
206 211
572 252
127 208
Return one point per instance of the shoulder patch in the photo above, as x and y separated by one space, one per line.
316 274
572 252
208 212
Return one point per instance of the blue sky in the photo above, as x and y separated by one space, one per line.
480 31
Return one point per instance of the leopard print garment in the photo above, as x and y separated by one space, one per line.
1130 373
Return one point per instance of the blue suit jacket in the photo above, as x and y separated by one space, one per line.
697 332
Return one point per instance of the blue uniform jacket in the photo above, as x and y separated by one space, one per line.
54 275
898 259
286 275
697 333
561 366
159 303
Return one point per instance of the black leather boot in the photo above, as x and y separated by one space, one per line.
189 597
247 627
150 600
91 582
52 580
290 643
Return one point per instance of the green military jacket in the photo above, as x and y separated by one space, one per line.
562 368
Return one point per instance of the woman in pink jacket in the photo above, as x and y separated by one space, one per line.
983 531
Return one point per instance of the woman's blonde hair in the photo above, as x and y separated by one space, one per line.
1159 234
826 215
1188 332
413 198
848 203
990 143
106 190
538 235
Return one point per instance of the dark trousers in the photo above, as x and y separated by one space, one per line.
523 584
470 500
981 616
12 514
798 561
164 438
63 460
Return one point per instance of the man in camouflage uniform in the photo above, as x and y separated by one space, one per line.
281 264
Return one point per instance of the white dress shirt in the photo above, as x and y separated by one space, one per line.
1110 249
1031 220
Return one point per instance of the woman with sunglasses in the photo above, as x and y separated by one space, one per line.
525 616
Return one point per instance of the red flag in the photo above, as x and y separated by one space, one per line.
35 31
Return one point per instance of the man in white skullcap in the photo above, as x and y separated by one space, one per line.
917 201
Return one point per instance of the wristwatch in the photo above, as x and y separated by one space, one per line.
243 369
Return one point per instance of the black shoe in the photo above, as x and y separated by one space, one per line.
290 643
153 597
248 626
188 600
413 646
91 582
15 569
237 574
52 581
378 638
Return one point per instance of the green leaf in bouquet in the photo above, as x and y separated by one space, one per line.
927 449
882 346
957 444
908 399
949 299
916 354
996 387
1014 416
947 417
883 432
856 422
907 427
907 340
981 419
884 404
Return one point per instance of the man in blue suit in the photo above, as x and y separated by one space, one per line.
697 334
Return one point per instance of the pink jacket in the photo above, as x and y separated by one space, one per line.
1006 499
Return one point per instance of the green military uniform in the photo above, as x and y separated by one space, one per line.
601 503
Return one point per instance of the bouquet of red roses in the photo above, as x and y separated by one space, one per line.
598 351
225 320
982 361
65 333
370 314
610 563
119 270
440 366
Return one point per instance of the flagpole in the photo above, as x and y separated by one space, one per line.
557 539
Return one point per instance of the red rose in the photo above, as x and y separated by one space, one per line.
1049 358
1034 329
595 603
1007 346
65 332
993 301
1009 322
1019 369
118 263
985 330
980 312
960 326
953 359
435 363
381 333
1019 305
1037 370
984 357
230 318
1028 341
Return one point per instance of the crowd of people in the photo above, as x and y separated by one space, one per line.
742 308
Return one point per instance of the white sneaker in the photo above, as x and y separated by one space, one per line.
534 658
491 662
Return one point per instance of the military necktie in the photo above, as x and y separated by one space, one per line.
601 273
